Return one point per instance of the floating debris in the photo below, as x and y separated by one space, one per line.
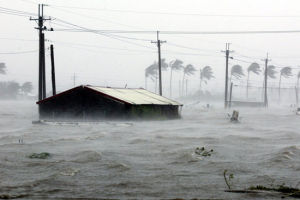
21 141
281 189
228 179
235 116
202 152
69 172
289 191
43 155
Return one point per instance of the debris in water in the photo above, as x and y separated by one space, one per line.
235 116
289 191
42 155
228 179
69 172
202 152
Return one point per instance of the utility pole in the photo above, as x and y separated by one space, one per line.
74 79
227 51
53 70
41 28
159 42
266 80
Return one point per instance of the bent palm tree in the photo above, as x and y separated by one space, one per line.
174 65
298 77
151 72
2 68
270 74
205 73
255 68
271 71
286 72
237 72
164 64
187 70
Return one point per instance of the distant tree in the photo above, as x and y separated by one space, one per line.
237 72
271 71
298 77
285 72
205 75
9 89
151 72
164 64
26 87
255 68
175 65
2 68
187 70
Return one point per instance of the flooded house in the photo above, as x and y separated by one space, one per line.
93 102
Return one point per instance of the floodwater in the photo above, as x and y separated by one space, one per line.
148 159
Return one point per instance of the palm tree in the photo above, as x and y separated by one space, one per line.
174 65
271 71
187 70
298 77
205 73
2 68
286 72
255 68
237 72
26 87
164 64
151 72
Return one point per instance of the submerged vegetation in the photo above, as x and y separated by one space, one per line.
43 155
283 189
203 152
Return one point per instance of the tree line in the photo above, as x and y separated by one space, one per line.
285 72
206 73
11 89
177 65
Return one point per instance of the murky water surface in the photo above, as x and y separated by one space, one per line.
148 159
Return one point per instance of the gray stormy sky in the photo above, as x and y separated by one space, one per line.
100 60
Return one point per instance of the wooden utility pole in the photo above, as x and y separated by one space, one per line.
296 91
41 28
266 81
43 66
159 42
227 51
53 70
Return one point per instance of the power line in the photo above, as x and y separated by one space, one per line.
96 18
18 52
185 32
176 13
103 34
15 12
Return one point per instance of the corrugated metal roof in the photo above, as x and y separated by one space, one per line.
134 96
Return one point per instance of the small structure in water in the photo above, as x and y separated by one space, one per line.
92 102
235 116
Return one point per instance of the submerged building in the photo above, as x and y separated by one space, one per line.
92 102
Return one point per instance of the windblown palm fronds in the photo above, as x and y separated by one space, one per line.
237 71
255 68
271 71
205 75
174 65
285 72
2 68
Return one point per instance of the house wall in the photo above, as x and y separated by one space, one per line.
155 111
83 103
